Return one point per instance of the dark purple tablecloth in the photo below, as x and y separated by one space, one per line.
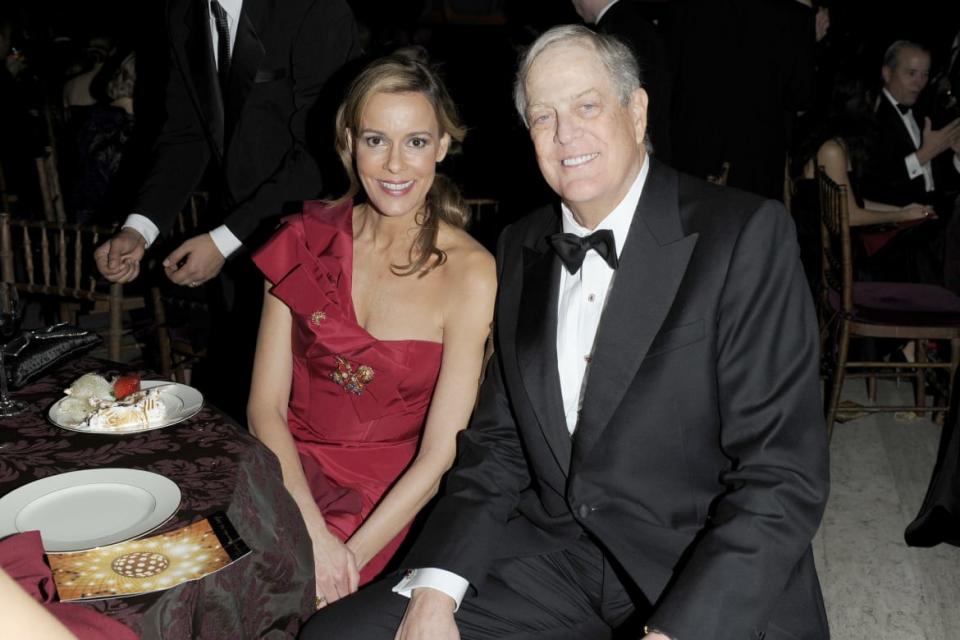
219 466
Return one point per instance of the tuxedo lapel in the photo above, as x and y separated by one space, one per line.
195 59
889 114
537 343
652 264
248 51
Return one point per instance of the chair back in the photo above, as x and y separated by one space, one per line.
55 259
51 258
836 262
481 209
50 191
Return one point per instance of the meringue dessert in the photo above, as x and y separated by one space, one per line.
92 402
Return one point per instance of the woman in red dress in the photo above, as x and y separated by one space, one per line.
373 329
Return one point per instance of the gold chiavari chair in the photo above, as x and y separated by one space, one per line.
55 260
851 309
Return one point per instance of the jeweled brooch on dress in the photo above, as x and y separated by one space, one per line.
317 317
353 381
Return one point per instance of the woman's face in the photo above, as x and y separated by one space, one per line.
397 148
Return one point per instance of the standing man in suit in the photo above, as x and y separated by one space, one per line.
648 446
243 78
626 20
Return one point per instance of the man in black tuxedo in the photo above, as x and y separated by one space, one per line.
647 449
909 160
626 19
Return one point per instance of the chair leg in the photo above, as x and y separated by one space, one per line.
69 311
921 376
838 376
954 364
872 388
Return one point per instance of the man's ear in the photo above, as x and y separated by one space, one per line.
886 72
638 111
443 147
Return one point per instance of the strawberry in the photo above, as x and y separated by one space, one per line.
125 385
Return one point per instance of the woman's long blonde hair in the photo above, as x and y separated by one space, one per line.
403 74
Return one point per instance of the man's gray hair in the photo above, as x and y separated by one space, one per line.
614 54
891 58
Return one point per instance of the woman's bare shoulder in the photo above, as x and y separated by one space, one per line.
469 266
831 150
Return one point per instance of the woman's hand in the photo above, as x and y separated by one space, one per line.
335 566
916 211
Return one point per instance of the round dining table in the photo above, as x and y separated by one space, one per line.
218 466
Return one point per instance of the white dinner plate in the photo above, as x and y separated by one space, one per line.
181 402
85 509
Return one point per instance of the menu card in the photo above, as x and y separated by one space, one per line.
148 564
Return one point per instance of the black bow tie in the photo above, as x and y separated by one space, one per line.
903 109
573 248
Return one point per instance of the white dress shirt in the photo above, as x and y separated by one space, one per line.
232 8
222 237
582 297
914 168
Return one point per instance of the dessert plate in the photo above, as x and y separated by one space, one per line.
91 508
179 400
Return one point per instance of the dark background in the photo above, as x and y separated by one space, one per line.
475 43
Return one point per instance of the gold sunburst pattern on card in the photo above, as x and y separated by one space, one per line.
139 566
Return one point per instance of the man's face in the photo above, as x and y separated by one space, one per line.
589 146
909 78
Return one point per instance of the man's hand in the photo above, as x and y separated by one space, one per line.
429 616
936 141
655 636
118 259
194 262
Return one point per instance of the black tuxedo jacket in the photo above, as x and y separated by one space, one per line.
255 135
885 177
700 458
627 21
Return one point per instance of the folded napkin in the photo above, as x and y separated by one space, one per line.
873 241
21 556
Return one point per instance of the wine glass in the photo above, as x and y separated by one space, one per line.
11 315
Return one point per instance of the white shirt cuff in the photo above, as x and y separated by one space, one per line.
956 161
144 226
226 242
914 169
439 579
